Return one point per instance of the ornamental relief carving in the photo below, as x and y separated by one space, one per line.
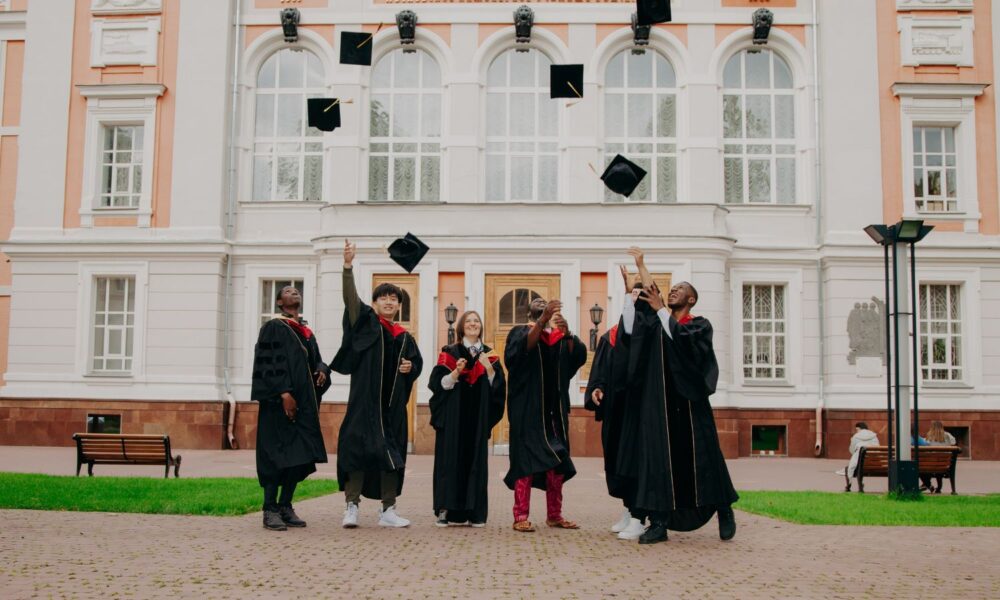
124 42
944 41
934 4
132 7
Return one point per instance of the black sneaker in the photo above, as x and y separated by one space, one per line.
656 533
442 520
289 517
272 521
727 523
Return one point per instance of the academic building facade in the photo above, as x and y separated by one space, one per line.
159 182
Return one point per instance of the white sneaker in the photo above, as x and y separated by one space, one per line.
633 531
840 472
389 518
351 516
622 522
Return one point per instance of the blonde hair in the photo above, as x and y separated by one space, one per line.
936 432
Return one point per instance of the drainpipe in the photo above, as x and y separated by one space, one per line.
820 294
229 399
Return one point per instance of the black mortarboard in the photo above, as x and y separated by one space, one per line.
622 176
356 48
566 81
324 113
407 251
649 12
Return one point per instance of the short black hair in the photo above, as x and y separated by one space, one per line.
861 425
694 292
637 285
387 289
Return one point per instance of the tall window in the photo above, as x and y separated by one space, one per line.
758 122
522 129
764 340
935 174
269 289
121 166
114 322
940 319
640 121
287 153
405 143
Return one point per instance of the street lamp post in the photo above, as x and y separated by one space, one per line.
450 314
901 345
596 316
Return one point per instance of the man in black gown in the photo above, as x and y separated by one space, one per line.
383 361
682 476
540 362
289 378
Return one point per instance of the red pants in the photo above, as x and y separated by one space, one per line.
553 496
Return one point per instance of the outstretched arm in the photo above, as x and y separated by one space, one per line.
351 299
640 263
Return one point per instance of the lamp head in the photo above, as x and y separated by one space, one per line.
596 314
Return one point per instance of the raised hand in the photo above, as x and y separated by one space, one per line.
560 323
626 278
651 295
636 253
350 250
553 307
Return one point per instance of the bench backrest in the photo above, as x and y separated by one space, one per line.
932 459
131 447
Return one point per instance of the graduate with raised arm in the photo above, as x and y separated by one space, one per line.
606 397
289 379
682 479
383 361
541 358
469 392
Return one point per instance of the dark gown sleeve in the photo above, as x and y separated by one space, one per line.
697 363
598 377
577 356
319 366
515 350
498 394
357 338
439 396
271 376
412 354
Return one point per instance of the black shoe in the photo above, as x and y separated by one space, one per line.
272 521
289 517
727 523
656 533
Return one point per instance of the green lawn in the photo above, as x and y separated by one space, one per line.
839 508
193 496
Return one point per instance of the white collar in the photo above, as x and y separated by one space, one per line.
478 344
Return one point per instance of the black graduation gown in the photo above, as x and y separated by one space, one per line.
373 435
538 405
284 361
463 418
681 472
607 373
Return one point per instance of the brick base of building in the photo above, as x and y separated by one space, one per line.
201 425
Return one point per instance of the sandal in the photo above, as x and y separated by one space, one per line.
561 523
523 526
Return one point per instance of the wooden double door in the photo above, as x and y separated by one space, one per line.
507 298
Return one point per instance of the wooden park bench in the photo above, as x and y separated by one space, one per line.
935 461
124 449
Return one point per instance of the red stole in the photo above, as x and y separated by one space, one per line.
469 375
550 337
393 328
303 330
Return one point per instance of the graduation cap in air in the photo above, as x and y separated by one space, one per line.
649 12
324 113
566 81
622 176
407 251
356 48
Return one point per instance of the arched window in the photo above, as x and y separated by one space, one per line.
758 122
405 138
287 153
640 122
522 129
514 306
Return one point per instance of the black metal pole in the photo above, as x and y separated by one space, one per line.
916 357
895 339
888 352
451 334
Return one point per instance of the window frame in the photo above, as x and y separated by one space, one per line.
797 141
390 140
302 154
536 139
109 106
942 105
792 280
87 288
970 282
625 140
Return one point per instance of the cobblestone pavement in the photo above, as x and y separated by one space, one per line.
45 554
